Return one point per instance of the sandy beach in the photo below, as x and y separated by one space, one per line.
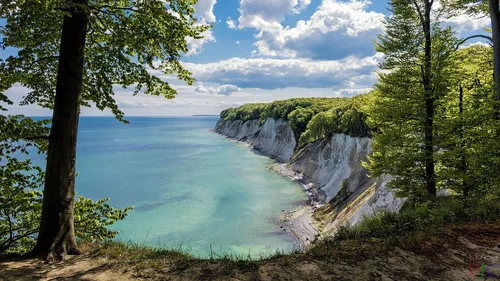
299 222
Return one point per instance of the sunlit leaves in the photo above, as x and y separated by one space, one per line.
126 41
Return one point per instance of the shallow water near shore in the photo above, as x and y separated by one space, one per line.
191 188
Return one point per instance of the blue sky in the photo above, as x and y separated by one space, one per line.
265 50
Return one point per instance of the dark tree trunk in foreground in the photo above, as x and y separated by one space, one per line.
430 175
495 28
57 236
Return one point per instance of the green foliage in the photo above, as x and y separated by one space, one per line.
471 7
415 216
310 118
124 39
344 117
93 217
20 204
468 132
400 108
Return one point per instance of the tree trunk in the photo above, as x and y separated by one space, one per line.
430 177
57 236
495 27
463 160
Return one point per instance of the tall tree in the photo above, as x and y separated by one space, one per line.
470 148
413 79
489 8
72 53
495 30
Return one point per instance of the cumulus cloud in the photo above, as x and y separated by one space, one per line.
195 46
267 15
460 20
231 24
464 23
204 11
334 31
281 73
224 90
301 6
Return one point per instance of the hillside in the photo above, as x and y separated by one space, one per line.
467 251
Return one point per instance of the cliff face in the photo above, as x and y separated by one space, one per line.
274 138
333 164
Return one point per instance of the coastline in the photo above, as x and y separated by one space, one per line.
299 221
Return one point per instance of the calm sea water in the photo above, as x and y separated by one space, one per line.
191 188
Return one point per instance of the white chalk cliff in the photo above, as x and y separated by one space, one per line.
333 164
274 138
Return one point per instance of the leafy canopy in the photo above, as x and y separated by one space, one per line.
310 118
127 42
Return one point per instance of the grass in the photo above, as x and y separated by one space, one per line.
416 222
423 228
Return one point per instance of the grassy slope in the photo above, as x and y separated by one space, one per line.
437 244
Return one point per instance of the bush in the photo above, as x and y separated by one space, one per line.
415 216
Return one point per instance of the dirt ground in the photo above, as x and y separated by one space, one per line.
464 252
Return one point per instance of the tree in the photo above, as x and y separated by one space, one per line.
467 134
21 198
492 9
72 53
495 30
408 94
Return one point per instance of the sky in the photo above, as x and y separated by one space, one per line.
266 50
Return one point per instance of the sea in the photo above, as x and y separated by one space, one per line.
192 189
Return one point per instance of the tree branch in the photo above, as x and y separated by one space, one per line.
99 8
420 15
41 59
37 138
474 36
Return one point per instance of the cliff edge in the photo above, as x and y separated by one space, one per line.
344 191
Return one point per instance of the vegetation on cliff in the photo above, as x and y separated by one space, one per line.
310 118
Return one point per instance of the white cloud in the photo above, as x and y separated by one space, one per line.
224 90
335 30
195 46
231 24
266 14
464 23
301 6
188 101
460 20
282 73
204 11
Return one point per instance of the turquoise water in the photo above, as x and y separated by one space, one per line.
191 188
